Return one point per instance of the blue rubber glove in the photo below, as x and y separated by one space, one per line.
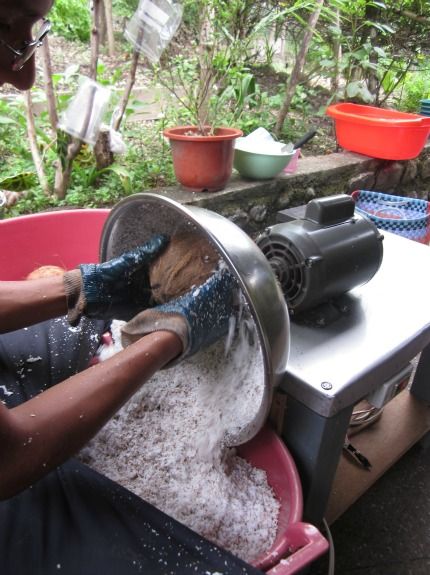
200 317
118 288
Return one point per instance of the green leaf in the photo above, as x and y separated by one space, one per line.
120 171
378 5
63 140
7 120
19 182
335 30
384 28
71 71
56 78
358 89
326 63
380 51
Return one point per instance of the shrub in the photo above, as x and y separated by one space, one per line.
416 87
71 19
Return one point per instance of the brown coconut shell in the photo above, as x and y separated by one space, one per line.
44 272
189 260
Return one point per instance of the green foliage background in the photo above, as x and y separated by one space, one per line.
71 19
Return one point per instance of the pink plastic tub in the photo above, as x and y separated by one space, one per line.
297 544
61 238
68 238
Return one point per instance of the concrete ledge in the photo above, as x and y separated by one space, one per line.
253 204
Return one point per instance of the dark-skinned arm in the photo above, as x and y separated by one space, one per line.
24 303
102 291
43 432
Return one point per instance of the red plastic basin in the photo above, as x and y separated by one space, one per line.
61 238
68 238
297 544
379 133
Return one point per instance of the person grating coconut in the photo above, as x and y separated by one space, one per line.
56 514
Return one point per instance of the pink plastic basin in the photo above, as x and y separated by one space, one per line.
297 544
68 238
61 238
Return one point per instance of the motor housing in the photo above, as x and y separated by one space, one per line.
325 253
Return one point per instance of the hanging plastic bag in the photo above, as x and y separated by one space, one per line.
83 117
152 27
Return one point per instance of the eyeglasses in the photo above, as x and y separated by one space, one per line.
26 52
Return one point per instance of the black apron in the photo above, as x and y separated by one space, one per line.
75 521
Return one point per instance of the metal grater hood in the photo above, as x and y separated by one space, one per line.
136 218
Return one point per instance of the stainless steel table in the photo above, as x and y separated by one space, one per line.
333 367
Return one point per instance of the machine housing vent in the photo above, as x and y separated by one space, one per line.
288 265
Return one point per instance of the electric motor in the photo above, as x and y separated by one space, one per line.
326 253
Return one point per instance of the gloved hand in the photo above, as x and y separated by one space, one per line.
199 317
118 288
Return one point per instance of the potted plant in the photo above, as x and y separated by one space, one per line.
202 150
203 161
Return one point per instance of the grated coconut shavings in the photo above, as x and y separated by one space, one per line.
167 446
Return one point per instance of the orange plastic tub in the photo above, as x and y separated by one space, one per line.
379 133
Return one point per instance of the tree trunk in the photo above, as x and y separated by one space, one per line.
49 86
373 13
107 6
52 105
102 25
72 147
298 66
337 53
95 38
65 163
62 183
205 62
102 150
31 131
127 91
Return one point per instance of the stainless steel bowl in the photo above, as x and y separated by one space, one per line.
136 218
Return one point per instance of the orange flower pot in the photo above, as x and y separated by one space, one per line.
202 163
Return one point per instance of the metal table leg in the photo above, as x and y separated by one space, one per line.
420 387
316 444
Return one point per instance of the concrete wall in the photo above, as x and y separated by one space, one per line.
253 205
